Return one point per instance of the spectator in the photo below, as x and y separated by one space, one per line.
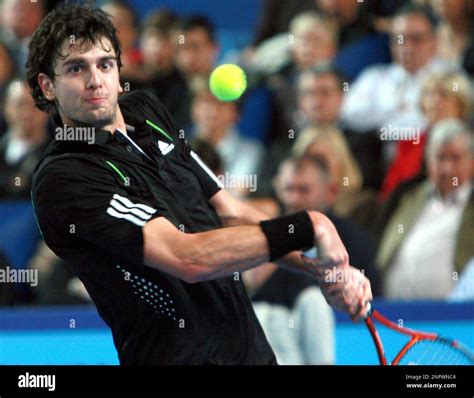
359 44
196 48
6 70
351 16
125 21
297 321
215 122
195 54
387 96
290 307
276 16
315 39
429 238
456 32
320 92
6 74
312 41
351 200
23 144
20 18
160 74
307 184
443 96
320 95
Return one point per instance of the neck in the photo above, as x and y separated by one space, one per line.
118 124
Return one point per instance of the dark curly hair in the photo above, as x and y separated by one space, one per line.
91 25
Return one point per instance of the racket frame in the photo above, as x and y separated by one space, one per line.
415 336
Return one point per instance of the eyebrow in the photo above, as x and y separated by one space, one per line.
82 60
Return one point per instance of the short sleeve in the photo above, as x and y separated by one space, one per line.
85 205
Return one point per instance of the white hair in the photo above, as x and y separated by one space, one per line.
445 132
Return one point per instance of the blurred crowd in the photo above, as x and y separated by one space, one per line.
361 110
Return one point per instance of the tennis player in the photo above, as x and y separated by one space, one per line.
140 219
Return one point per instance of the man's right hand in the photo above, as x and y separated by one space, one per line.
344 287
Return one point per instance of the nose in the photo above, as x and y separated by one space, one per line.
94 80
293 200
447 167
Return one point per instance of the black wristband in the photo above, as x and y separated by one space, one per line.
288 233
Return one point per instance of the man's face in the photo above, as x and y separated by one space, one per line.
30 123
123 22
212 116
413 41
313 46
320 98
450 165
157 49
304 189
196 53
86 85
22 16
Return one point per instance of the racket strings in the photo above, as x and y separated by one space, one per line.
435 352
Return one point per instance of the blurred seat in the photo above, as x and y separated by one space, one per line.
19 233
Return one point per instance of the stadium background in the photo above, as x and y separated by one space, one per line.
32 335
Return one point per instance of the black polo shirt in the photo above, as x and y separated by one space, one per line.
91 203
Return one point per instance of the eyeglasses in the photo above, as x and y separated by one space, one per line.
323 92
415 38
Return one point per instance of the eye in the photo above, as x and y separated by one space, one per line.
74 69
106 65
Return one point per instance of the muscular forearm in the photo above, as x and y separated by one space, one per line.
220 253
249 215
205 255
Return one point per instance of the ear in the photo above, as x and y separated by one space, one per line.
120 88
47 86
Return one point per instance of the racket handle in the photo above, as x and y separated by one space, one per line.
311 253
369 309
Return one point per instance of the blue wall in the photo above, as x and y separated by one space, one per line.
67 336
226 14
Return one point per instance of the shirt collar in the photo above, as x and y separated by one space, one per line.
434 64
458 196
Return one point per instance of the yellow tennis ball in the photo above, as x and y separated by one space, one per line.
228 82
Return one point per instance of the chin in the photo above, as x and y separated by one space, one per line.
98 123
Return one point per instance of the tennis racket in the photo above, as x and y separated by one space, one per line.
423 348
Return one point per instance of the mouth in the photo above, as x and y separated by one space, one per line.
96 100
